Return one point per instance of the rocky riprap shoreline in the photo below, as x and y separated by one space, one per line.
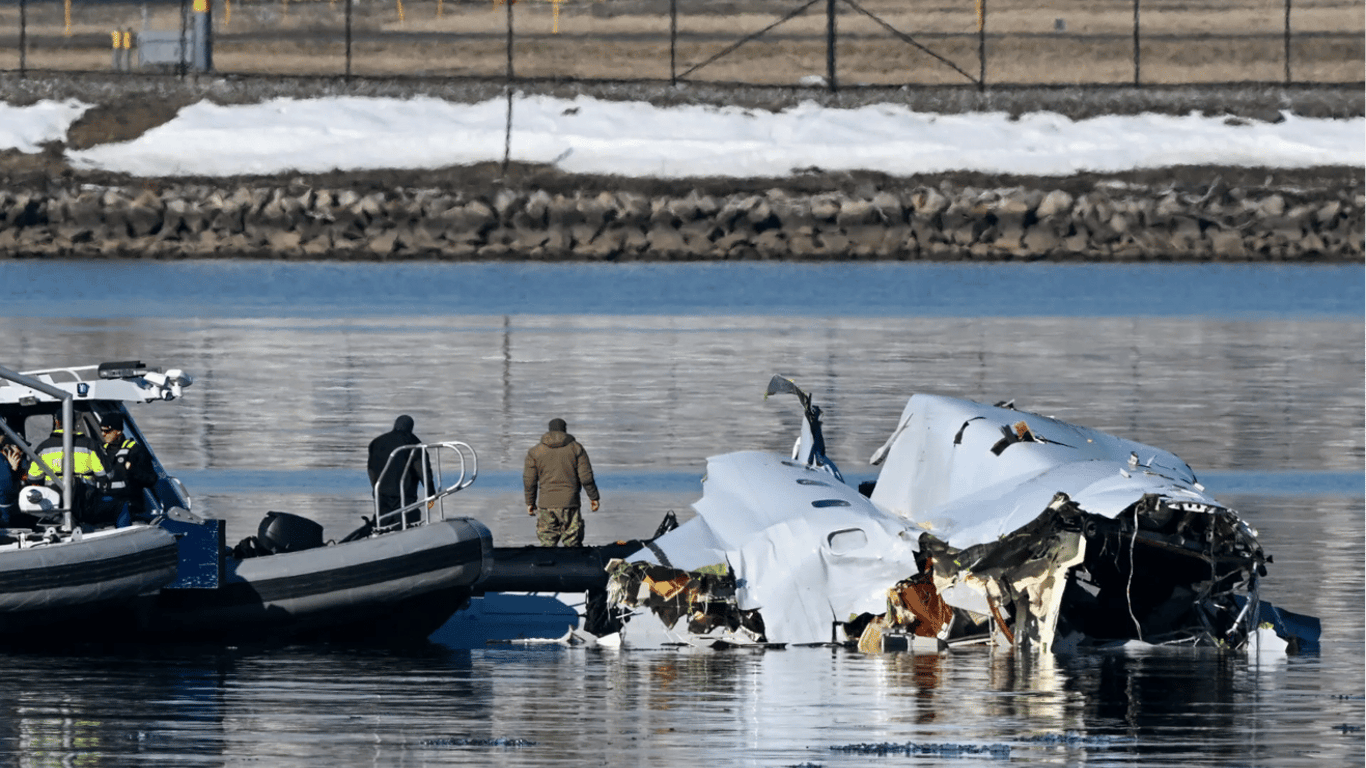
1110 221
48 208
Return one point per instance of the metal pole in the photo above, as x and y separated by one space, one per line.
981 44
510 74
507 129
673 42
830 46
348 40
68 465
201 37
208 36
1287 41
1136 64
23 36
184 35
507 132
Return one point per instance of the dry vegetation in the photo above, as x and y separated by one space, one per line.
619 49
1053 42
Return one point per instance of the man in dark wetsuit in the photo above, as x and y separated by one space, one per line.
556 469
398 486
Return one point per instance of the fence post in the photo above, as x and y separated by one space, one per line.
981 45
1287 42
510 74
203 36
830 45
1136 65
673 42
348 40
23 37
507 131
184 65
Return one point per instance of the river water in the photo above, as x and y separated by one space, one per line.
1251 373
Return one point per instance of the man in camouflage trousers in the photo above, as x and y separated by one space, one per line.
556 469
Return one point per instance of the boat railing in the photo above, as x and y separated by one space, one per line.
451 458
65 482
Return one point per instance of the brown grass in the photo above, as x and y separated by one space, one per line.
1181 42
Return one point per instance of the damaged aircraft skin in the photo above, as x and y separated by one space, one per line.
985 524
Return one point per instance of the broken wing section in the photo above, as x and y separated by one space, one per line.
807 552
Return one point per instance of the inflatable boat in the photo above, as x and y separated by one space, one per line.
397 586
172 576
68 584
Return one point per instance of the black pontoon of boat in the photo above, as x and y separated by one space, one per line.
172 576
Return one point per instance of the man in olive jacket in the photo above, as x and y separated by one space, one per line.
556 468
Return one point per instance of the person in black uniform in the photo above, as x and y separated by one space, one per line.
130 471
398 486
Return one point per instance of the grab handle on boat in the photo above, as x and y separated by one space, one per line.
453 455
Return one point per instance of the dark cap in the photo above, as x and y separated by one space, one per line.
403 423
112 421
558 425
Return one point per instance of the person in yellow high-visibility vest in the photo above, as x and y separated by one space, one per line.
86 464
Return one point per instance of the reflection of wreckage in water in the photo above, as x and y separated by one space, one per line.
985 524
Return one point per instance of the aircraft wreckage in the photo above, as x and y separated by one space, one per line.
985 524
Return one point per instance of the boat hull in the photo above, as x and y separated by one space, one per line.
399 586
73 588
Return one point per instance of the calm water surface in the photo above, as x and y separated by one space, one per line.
1253 374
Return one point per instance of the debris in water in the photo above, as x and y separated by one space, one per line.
464 741
996 751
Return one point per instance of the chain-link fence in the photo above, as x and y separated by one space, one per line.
833 43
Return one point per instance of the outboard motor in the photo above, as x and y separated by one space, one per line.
282 532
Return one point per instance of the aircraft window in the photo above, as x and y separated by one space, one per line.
847 540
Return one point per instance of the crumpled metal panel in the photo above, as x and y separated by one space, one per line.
916 605
940 470
985 524
807 550
1104 488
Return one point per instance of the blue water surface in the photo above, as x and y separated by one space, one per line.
240 288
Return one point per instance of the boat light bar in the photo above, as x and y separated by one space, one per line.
127 369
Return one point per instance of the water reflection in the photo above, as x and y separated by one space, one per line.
89 712
291 387
539 705
663 392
